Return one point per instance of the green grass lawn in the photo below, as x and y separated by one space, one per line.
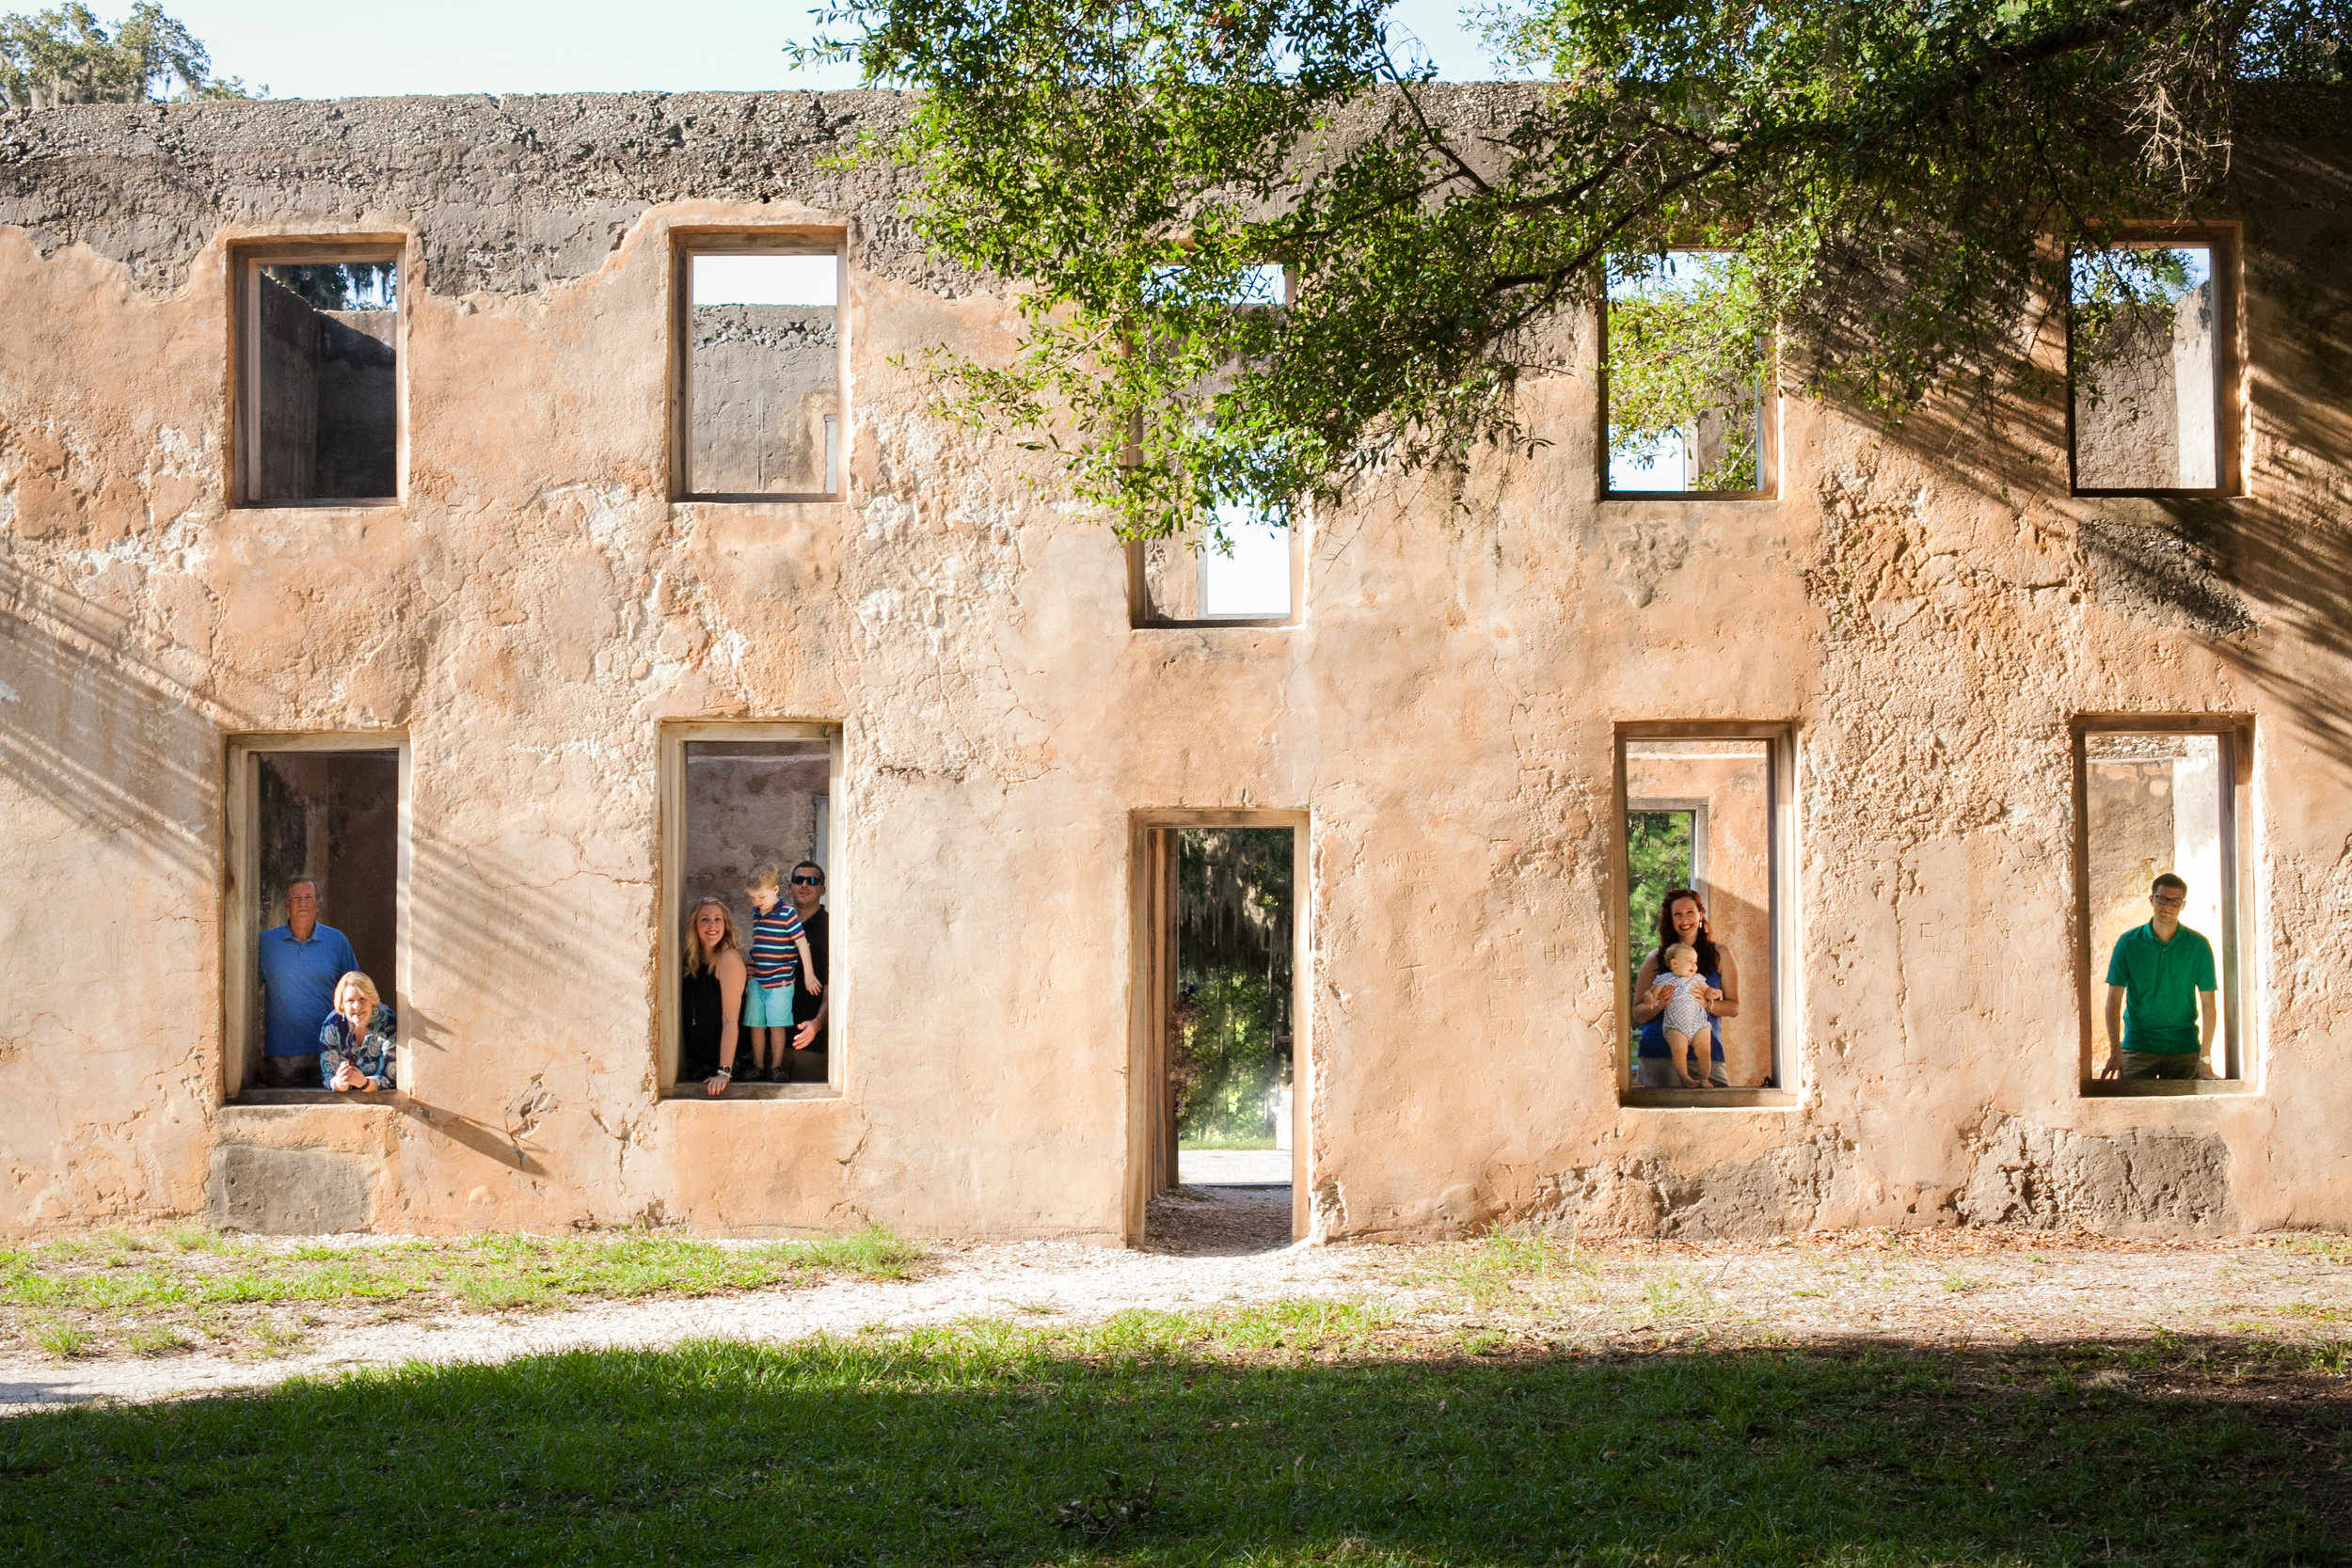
148 1293
1296 1434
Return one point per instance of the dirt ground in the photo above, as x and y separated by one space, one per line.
1215 1248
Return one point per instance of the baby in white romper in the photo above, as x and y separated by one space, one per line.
1685 1021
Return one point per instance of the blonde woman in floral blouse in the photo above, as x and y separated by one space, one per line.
357 1041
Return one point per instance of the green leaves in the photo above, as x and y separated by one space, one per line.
64 56
1688 341
1894 188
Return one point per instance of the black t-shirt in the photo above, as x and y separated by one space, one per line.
700 1022
804 1006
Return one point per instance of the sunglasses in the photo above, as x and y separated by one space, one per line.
808 881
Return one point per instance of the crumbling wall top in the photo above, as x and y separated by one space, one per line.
507 195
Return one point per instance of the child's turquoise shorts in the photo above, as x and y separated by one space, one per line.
768 1006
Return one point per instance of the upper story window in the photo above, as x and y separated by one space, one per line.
1245 571
1242 567
2148 356
760 411
1688 392
319 395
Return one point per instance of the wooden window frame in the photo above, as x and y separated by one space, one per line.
241 895
1767 420
2225 242
669 963
1140 616
778 240
246 262
1782 990
2236 735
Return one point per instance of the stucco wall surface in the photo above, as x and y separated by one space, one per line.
1926 607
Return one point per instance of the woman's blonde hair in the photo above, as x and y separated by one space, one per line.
354 980
698 961
765 879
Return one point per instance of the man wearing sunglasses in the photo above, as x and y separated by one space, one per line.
2160 987
807 1061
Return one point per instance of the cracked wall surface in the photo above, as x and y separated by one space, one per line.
1927 606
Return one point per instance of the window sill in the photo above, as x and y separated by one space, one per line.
1608 496
738 1092
2206 494
268 1099
1709 1099
2161 1089
1221 623
363 503
759 499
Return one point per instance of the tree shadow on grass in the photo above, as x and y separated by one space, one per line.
1128 1444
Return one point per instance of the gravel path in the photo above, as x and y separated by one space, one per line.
1230 1246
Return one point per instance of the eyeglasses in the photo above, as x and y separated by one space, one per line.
2167 903
808 881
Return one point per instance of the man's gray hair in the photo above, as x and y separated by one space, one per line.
298 881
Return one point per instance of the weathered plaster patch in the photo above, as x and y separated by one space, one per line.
2048 1178
288 1192
1789 1189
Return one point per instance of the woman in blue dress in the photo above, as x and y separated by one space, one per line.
1682 918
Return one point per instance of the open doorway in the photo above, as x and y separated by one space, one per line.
1223 1019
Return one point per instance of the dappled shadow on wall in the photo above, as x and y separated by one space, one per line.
93 724
2265 577
539 963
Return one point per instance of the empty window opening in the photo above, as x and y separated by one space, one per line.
320 884
1688 380
1702 871
1258 284
2160 804
762 383
2146 368
322 391
1242 570
1240 567
1225 987
752 807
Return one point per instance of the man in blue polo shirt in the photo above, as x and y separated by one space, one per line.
300 962
2160 985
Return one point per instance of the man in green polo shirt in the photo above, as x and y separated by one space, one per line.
2160 989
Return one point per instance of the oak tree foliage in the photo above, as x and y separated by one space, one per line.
66 56
1891 185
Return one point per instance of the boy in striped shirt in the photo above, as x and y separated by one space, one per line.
777 956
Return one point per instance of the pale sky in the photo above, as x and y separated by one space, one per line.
525 46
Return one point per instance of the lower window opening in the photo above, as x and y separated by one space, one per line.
2160 868
755 920
323 867
1701 918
